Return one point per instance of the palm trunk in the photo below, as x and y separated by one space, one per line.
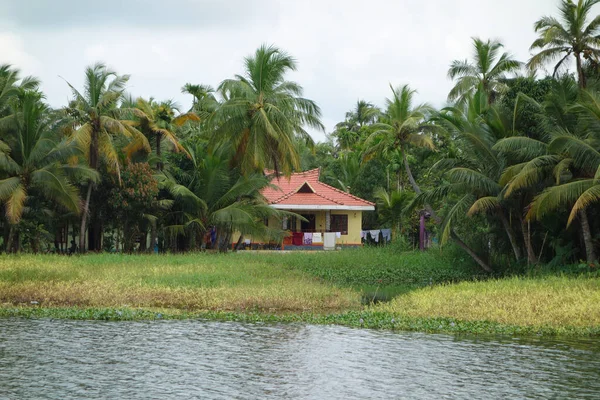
93 159
531 257
438 221
471 252
580 73
411 178
159 165
587 238
152 237
239 242
511 234
84 216
11 238
417 189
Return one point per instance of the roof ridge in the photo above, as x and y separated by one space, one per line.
328 198
346 193
285 196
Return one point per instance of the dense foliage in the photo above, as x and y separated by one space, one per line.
509 171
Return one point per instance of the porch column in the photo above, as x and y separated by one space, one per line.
327 221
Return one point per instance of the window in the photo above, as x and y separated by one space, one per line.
290 223
339 223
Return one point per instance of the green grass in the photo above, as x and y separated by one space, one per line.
432 292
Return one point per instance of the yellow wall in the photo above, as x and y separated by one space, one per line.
354 227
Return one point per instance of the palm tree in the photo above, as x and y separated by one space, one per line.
34 163
488 71
10 85
572 36
263 114
392 207
160 121
208 194
564 162
475 174
401 127
583 160
204 101
95 120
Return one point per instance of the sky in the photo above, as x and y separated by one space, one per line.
346 50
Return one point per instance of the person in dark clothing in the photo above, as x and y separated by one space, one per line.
73 248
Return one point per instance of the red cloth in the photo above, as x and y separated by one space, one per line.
297 238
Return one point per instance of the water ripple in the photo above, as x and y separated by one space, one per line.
51 359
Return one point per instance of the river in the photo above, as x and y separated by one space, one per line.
62 359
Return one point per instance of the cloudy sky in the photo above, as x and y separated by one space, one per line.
346 49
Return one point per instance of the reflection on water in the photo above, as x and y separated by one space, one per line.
198 359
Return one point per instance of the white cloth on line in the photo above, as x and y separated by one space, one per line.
317 237
338 235
387 234
375 235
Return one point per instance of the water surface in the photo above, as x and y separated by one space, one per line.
60 359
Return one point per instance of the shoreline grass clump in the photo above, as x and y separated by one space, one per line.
321 288
557 301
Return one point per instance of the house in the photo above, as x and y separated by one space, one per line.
324 208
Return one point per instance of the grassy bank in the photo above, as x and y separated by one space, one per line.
434 292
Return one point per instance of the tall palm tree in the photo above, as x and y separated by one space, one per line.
160 121
34 162
204 101
566 162
402 126
583 160
487 71
571 36
475 173
10 85
96 119
263 113
209 194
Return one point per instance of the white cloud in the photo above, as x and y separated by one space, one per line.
346 50
14 52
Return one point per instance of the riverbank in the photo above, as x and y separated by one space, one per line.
429 292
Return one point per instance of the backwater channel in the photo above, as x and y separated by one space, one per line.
63 359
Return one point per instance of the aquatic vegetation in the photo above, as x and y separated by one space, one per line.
323 288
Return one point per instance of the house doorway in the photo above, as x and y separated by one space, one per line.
308 225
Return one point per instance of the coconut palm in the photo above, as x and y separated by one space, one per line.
10 85
96 119
572 35
263 114
582 153
159 121
34 162
566 161
402 126
208 194
204 101
475 173
392 207
488 71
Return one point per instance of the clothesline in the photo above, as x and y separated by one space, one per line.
308 238
374 234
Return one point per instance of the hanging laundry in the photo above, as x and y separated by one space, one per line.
363 234
297 238
308 238
317 237
338 235
387 235
375 235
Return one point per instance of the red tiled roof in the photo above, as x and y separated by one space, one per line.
287 193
